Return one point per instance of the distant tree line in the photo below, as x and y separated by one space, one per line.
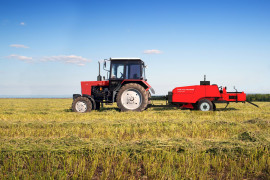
258 97
250 97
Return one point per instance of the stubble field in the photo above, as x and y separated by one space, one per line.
43 139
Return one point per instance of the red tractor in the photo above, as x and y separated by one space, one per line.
125 85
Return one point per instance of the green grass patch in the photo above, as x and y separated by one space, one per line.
43 139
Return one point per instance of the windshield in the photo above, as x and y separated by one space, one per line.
117 71
126 70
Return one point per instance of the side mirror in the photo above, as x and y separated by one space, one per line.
104 65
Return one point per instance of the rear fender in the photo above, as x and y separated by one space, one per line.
143 83
208 98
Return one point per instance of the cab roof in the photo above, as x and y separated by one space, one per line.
125 58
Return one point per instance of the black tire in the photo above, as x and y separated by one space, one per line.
214 106
141 92
205 105
81 105
149 97
149 101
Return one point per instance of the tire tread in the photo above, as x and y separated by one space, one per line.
86 100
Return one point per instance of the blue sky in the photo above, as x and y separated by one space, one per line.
48 47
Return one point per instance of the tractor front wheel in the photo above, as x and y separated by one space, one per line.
81 105
205 105
132 97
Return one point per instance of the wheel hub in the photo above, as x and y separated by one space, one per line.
81 106
205 106
131 99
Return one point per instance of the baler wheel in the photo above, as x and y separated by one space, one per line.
205 105
81 105
132 97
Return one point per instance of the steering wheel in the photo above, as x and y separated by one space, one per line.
122 75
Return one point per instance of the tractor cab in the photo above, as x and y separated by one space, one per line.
125 69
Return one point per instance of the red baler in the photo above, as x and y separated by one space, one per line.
203 96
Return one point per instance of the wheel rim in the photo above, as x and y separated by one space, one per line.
131 99
205 106
81 106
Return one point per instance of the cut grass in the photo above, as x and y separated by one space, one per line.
42 138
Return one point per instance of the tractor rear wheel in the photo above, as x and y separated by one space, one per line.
149 101
82 105
214 106
132 97
205 105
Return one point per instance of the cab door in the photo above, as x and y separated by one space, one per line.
117 74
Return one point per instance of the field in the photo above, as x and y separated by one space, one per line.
43 139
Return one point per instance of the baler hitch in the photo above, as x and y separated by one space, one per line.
253 104
227 105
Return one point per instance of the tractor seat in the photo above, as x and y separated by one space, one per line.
135 76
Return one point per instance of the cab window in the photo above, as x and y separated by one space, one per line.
117 71
134 71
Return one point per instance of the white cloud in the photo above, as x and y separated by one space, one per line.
22 58
22 23
18 46
152 51
71 59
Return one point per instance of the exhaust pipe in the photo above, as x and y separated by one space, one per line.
99 78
